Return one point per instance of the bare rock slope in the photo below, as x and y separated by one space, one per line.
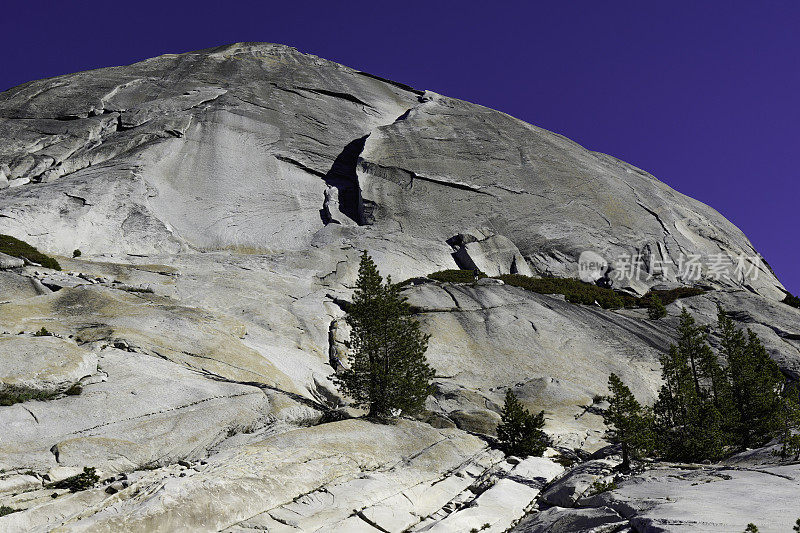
220 200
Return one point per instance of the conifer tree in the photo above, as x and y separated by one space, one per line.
520 432
627 423
755 385
656 309
388 373
686 414
789 423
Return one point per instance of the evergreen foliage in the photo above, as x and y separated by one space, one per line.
789 423
656 309
457 276
520 432
792 300
388 373
754 388
17 248
627 423
574 290
84 480
687 415
710 404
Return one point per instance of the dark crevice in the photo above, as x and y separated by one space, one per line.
334 94
342 176
298 164
394 83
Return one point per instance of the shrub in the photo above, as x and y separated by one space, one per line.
76 253
574 290
792 300
12 394
17 248
457 276
84 480
42 333
4 510
600 486
74 390
669 296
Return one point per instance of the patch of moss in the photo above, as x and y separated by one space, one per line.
84 480
17 248
457 276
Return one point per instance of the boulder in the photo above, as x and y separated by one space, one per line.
578 482
561 520
488 252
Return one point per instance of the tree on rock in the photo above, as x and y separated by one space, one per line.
388 373
627 423
656 309
520 432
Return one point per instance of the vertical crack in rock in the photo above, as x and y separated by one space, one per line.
343 194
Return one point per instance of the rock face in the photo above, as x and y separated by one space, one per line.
220 200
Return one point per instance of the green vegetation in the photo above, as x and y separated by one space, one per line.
76 253
520 432
12 394
627 423
792 300
751 528
83 481
656 308
42 333
600 486
388 373
707 410
4 510
17 248
574 290
669 296
797 526
457 276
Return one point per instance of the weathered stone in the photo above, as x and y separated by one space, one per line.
560 520
8 262
241 193
490 253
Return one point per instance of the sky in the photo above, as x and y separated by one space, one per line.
705 95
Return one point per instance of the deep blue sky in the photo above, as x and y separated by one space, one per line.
703 94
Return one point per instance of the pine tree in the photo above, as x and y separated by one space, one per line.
388 373
686 412
789 423
520 432
656 309
627 423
